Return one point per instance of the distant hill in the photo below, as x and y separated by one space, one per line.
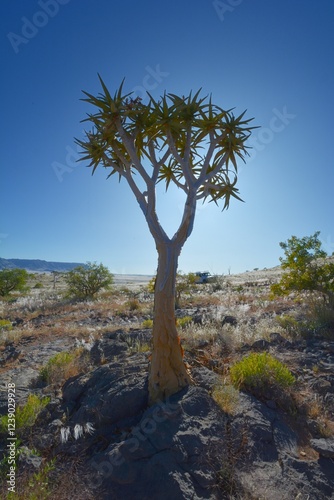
40 266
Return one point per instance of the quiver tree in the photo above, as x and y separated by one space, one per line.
185 141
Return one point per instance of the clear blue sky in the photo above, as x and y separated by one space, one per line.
274 58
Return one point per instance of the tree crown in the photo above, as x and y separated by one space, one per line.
188 140
306 267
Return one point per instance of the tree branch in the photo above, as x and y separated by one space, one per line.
128 142
158 233
187 223
172 146
208 156
187 172
184 187
187 148
108 162
208 176
154 162
136 191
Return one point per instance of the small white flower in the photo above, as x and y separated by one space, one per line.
89 428
64 434
78 431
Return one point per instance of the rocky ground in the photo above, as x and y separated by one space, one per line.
208 441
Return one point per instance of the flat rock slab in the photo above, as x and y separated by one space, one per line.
325 447
25 375
23 378
268 464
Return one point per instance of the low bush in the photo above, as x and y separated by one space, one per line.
30 486
147 323
12 280
321 319
84 282
5 325
291 325
259 372
217 283
38 285
63 365
25 416
226 396
318 321
133 305
184 322
137 346
38 486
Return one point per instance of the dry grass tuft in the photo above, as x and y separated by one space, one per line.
226 396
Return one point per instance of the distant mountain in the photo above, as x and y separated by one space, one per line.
40 266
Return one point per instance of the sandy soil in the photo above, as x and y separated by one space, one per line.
131 280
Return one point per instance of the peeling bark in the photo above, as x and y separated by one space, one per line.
168 373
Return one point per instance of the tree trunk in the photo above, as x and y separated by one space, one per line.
168 373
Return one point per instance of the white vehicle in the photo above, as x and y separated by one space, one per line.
202 277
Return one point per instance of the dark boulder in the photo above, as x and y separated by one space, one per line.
175 451
229 320
267 461
325 447
108 394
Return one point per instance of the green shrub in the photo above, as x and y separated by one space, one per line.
5 325
306 268
151 285
148 323
25 416
38 487
12 280
185 285
84 282
320 320
38 285
183 322
61 366
259 371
